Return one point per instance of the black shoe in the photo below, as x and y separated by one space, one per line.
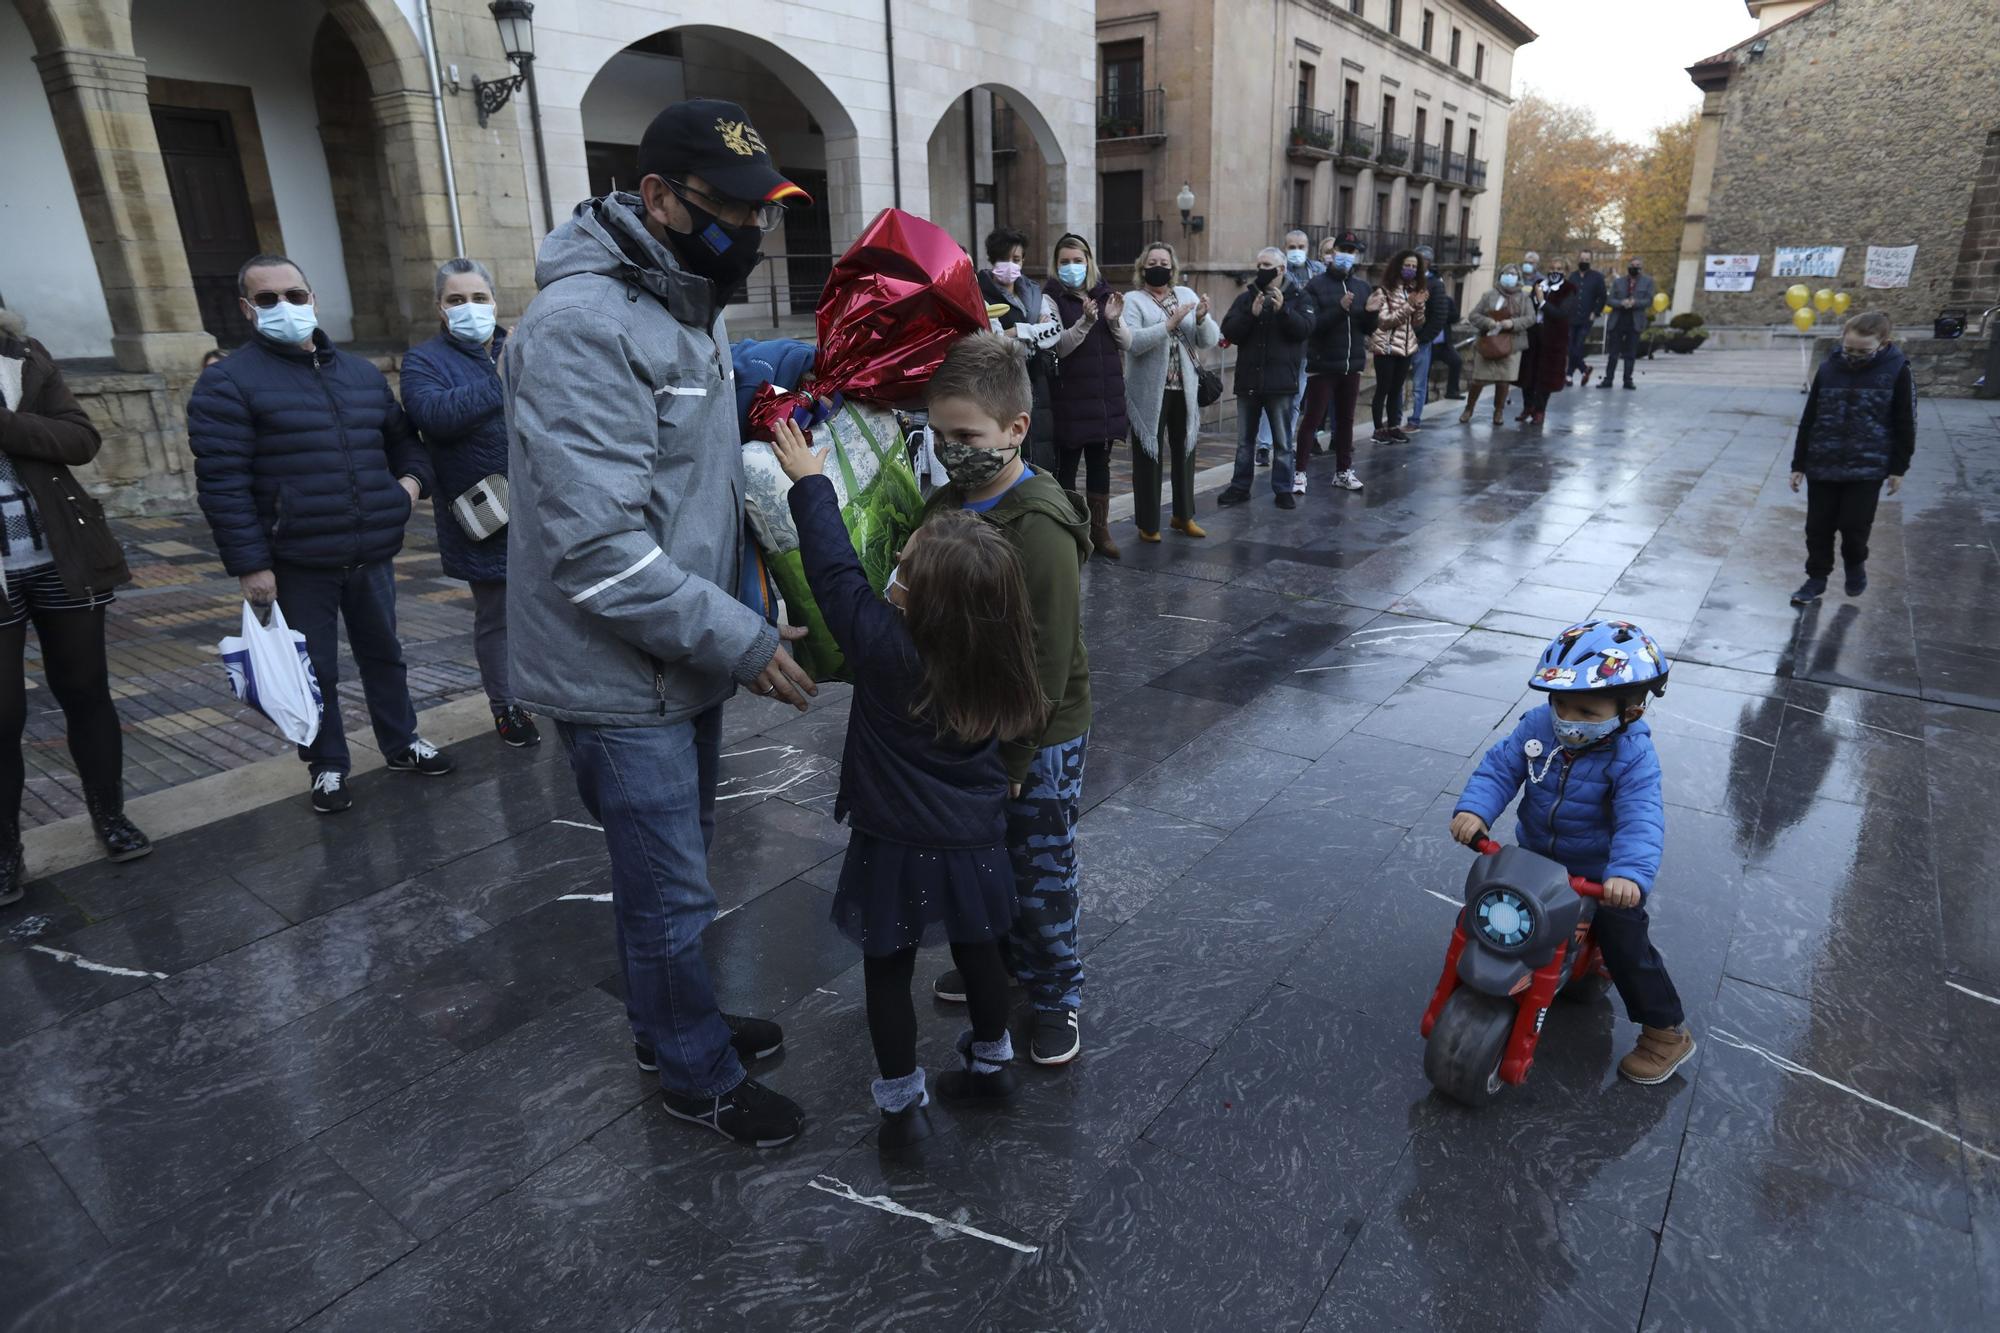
1263 458
422 757
1286 500
1398 434
1454 397
1232 496
1604 383
962 1085
1857 583
330 793
753 1038
1809 592
1630 385
516 728
904 1128
749 1113
121 837
1055 1040
12 871
950 988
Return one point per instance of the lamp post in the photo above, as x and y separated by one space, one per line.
516 21
1185 202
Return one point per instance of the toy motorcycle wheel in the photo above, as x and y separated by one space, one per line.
1462 1060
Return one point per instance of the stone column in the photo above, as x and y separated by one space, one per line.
1694 230
420 237
106 126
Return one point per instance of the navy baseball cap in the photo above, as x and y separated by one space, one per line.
1347 240
715 140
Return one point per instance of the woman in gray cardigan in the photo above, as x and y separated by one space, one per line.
1505 311
1165 323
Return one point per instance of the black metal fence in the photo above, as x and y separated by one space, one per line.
1139 114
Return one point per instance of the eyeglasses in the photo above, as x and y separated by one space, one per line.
292 295
765 216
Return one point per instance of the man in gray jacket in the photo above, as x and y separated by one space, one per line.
1631 301
625 471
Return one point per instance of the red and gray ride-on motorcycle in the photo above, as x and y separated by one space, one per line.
1523 939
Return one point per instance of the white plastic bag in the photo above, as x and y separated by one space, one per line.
269 670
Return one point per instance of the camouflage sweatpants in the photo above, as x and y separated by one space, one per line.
1041 838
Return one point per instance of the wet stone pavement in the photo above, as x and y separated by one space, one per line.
372 1072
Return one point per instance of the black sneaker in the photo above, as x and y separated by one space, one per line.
1286 500
1630 385
119 836
749 1113
1055 1040
422 757
1232 496
1857 583
753 1038
1809 592
1263 458
950 988
516 728
330 793
12 871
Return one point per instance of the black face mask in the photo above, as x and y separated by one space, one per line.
1634 270
1158 275
1266 276
723 255
1583 266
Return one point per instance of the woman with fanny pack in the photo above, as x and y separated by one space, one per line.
58 565
451 393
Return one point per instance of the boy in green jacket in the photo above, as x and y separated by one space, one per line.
979 400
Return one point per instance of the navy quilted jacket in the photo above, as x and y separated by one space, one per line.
297 455
1089 389
1600 813
1860 424
451 391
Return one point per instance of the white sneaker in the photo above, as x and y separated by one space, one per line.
1347 481
1298 483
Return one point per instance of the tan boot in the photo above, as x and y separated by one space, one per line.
1659 1052
1100 525
1187 527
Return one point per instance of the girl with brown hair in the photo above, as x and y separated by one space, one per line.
1398 306
944 668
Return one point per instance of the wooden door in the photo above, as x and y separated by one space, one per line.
212 205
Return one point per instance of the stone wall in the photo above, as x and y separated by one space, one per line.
1864 122
1978 281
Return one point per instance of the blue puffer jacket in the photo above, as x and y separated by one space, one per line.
451 391
297 456
1860 424
1600 813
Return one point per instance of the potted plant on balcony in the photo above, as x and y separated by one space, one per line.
1392 156
1306 136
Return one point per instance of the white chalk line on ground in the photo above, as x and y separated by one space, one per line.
78 960
840 1189
1710 726
1794 1067
1977 995
1444 898
1199 620
578 823
585 898
1854 722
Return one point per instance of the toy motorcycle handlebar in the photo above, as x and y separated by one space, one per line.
1589 888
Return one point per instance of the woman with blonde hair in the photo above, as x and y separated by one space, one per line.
1502 317
1165 325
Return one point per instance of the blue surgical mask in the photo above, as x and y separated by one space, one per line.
287 323
471 322
1583 735
1296 258
1528 269
1342 261
1509 281
1071 274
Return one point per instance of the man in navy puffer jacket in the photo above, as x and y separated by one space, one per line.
1592 802
307 473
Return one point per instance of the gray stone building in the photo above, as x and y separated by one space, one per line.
1850 123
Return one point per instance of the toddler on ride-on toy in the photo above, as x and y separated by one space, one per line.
1592 803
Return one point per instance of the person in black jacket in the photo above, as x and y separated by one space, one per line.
1030 319
58 565
943 670
307 472
1268 324
1435 328
1590 294
1859 430
1336 355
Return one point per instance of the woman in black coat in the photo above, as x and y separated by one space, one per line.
58 564
452 395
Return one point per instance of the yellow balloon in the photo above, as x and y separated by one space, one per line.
1661 301
1841 300
1803 320
1796 296
1823 299
1607 310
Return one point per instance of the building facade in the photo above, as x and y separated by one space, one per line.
1850 124
156 144
1386 117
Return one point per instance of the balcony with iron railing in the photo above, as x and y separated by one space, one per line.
1463 250
1357 142
1475 174
1430 160
1310 135
1454 167
1120 243
1392 153
1139 116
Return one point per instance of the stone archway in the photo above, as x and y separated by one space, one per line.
1018 171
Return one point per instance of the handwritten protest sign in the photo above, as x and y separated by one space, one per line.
1890 265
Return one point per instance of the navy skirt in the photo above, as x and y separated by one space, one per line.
893 896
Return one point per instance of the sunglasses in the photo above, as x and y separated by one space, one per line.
294 296
766 216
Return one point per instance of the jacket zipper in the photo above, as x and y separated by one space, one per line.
1562 786
660 685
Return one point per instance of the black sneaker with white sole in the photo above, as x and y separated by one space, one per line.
1055 1040
749 1113
516 728
330 794
422 757
753 1038
949 987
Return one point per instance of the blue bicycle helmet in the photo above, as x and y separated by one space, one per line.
1601 655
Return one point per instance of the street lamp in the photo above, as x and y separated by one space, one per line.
1185 202
516 21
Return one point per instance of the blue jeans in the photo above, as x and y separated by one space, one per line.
1420 382
1041 840
653 789
1298 400
315 601
1274 412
